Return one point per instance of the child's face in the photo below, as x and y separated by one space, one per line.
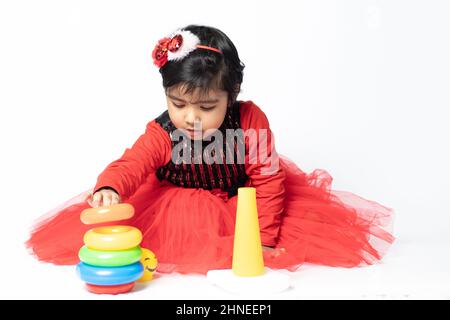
195 111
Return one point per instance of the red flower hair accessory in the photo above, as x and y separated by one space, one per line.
176 47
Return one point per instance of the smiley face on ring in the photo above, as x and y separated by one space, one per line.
150 263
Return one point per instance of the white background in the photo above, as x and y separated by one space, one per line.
359 88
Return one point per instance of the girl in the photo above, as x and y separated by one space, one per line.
183 172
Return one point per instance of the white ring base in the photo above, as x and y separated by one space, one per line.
270 282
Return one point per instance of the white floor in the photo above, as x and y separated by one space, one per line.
416 269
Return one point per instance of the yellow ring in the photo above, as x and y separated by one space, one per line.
113 238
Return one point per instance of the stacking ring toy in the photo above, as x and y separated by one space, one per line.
117 289
116 212
109 258
113 238
110 276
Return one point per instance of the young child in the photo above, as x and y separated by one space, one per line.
183 172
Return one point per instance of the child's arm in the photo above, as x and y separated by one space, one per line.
126 174
266 176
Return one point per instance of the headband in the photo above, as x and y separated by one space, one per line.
176 47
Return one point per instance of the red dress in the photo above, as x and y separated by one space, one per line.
186 212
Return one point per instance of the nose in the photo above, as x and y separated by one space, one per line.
191 117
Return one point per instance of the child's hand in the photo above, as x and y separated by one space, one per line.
103 197
273 252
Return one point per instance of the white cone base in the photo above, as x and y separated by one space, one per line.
270 282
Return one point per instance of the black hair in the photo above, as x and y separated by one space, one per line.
206 69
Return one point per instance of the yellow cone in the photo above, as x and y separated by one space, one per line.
247 251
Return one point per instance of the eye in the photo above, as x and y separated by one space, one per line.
207 108
178 105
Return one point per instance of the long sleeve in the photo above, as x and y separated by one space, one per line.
264 171
151 150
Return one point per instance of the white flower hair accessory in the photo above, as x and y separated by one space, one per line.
177 46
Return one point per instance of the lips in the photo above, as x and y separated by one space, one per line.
192 131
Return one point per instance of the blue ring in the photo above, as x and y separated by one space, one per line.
109 276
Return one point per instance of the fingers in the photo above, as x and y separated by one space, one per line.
107 197
104 198
88 197
115 198
97 199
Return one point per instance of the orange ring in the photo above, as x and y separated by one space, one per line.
116 212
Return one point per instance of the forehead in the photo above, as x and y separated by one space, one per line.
196 94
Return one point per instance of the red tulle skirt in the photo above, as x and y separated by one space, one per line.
192 230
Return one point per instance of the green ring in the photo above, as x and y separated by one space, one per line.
117 258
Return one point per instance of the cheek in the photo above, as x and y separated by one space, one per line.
215 120
175 117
